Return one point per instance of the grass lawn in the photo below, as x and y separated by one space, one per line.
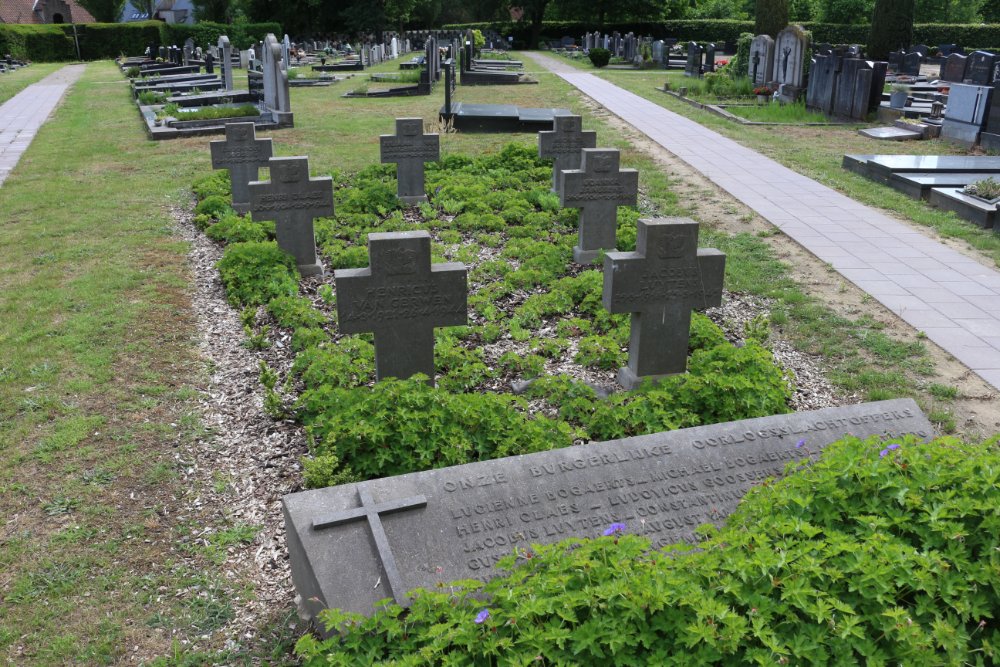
14 82
99 373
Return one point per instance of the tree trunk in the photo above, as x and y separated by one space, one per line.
892 28
771 17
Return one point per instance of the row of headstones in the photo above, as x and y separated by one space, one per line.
845 87
780 62
401 297
628 46
979 68
700 59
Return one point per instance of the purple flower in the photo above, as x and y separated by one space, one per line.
800 444
885 452
614 529
482 616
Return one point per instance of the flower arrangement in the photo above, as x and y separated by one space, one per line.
763 90
988 189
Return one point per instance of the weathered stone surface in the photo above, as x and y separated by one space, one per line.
243 154
564 143
353 545
410 148
292 200
659 284
761 63
790 49
597 188
401 297
225 61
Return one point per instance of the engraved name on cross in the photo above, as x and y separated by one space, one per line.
597 188
410 148
660 283
243 154
292 200
401 297
564 143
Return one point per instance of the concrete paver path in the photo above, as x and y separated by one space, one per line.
954 299
23 114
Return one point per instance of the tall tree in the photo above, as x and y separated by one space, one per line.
771 17
212 10
892 27
105 11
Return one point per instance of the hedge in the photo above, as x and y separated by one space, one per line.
47 43
708 30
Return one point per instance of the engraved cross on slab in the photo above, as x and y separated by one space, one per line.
243 154
597 188
292 200
372 511
401 297
660 283
564 144
410 148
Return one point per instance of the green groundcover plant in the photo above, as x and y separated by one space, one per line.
496 214
878 553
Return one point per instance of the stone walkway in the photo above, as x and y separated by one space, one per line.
952 298
23 114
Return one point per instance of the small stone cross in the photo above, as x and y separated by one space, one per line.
243 154
292 200
401 297
660 283
410 148
372 512
564 143
597 188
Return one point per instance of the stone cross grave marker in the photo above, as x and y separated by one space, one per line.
597 188
761 59
456 523
410 148
292 200
401 297
243 154
660 283
564 143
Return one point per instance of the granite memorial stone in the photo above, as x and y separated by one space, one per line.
410 148
401 297
292 200
790 49
966 113
243 154
659 284
761 59
953 69
597 188
564 143
225 62
979 68
353 545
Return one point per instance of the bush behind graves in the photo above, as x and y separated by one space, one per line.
875 554
253 273
599 57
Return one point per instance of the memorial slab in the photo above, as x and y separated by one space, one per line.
953 69
401 297
979 68
761 59
976 211
564 143
597 188
659 284
244 155
354 545
918 185
292 200
410 148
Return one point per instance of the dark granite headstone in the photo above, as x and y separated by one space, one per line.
292 200
354 545
953 68
693 66
910 64
243 154
564 143
990 137
922 49
659 284
401 297
597 188
979 68
895 60
710 57
410 148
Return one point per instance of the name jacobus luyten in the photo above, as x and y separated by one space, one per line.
664 502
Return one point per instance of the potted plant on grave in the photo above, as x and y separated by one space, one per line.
763 93
986 190
898 95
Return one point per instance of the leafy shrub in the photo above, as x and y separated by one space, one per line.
402 426
599 57
254 273
213 205
869 556
216 183
234 228
600 352
295 312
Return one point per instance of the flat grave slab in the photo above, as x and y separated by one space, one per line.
968 208
353 545
881 167
856 163
501 117
918 185
890 134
